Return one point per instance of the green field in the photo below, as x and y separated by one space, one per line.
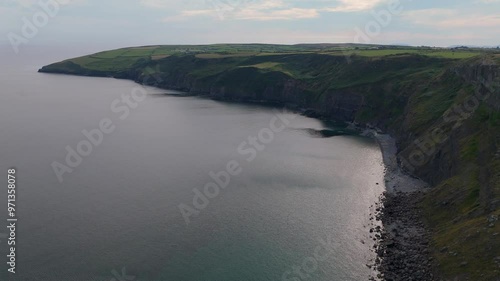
121 59
451 54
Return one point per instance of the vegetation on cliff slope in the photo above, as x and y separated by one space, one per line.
442 105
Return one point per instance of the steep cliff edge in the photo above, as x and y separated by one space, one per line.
462 161
445 115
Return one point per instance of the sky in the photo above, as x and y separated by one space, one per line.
107 24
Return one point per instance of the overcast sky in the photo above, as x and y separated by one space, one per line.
121 23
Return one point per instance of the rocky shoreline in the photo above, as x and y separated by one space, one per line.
397 228
402 242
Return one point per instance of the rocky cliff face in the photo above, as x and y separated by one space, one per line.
459 155
341 105
435 155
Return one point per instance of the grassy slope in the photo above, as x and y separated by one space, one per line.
406 90
122 59
459 207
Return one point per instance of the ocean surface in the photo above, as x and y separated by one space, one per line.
296 208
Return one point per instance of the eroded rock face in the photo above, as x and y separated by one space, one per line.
486 74
443 159
342 105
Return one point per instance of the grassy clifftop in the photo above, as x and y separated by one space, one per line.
442 105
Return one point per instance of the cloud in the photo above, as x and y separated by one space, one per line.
247 10
259 10
487 1
285 14
447 18
35 3
158 3
355 5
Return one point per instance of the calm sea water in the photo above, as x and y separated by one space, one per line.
118 211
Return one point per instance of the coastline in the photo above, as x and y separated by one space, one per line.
402 244
348 101
396 180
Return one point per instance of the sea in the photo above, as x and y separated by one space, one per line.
120 182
